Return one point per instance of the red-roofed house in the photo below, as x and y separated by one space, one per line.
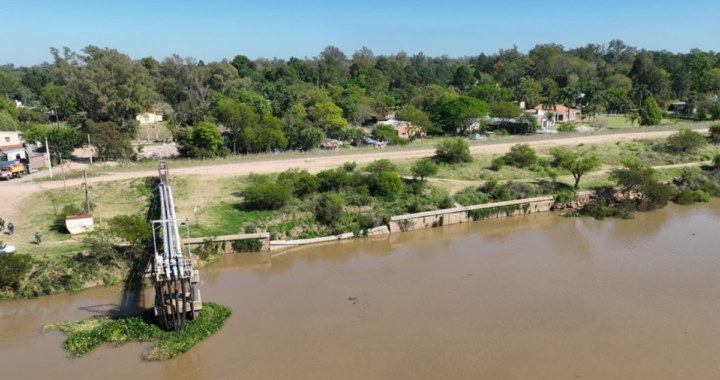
562 113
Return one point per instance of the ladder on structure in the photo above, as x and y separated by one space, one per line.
177 297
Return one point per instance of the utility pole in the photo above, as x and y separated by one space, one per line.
87 194
62 169
47 149
90 149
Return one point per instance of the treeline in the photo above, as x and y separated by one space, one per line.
295 104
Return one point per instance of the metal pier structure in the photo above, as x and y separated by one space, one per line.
177 297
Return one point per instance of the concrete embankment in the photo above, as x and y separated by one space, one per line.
400 223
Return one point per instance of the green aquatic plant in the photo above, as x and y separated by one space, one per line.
86 335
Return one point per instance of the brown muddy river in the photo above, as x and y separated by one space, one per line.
527 297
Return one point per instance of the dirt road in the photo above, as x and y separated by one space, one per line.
17 191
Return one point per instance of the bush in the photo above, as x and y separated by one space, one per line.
497 163
302 182
688 197
424 168
247 245
379 166
68 210
567 127
685 141
329 209
520 156
350 166
715 133
388 133
386 184
13 269
267 195
333 180
453 151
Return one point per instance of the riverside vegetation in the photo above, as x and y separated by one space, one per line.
298 204
88 334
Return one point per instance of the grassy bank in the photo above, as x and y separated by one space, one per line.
86 335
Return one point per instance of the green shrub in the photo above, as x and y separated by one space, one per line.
687 197
497 163
453 151
333 180
247 245
385 184
67 210
350 166
13 269
424 168
520 156
379 166
329 209
567 127
302 182
685 141
267 196
715 133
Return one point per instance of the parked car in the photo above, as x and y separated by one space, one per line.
6 249
6 173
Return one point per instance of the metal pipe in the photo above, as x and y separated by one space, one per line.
176 236
166 254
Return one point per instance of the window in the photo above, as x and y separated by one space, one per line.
7 139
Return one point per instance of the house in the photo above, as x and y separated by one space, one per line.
147 118
561 114
679 108
404 129
11 146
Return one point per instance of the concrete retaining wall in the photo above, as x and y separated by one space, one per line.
457 215
280 244
228 239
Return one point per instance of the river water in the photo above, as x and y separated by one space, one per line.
527 297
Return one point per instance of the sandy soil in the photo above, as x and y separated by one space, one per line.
15 191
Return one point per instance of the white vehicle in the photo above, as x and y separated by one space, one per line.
6 249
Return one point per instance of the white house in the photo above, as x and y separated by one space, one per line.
11 146
147 118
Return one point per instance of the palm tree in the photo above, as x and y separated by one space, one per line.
632 117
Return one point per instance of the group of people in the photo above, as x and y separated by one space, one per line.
11 230
10 227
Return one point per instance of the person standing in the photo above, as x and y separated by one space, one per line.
2 224
11 228
37 237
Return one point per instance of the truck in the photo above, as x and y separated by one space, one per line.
9 169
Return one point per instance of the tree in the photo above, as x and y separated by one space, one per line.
424 168
327 116
632 117
133 229
109 139
107 85
650 113
715 110
385 184
463 79
453 151
59 101
203 140
35 132
577 162
636 178
7 122
63 140
329 209
715 133
237 117
685 141
264 135
310 138
520 156
459 115
415 116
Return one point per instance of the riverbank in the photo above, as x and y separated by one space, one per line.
351 200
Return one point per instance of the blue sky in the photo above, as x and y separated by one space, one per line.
215 29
